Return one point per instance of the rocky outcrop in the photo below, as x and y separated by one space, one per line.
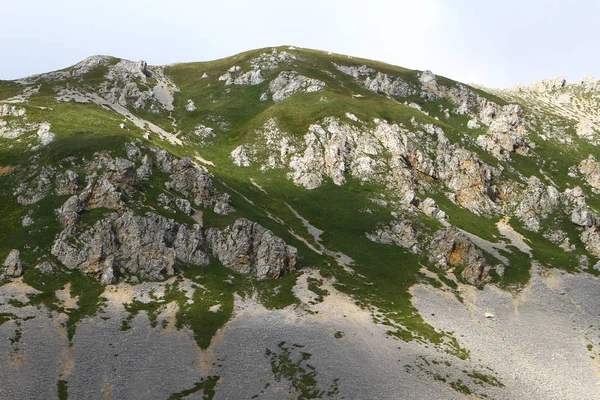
469 178
398 233
574 200
240 156
151 247
7 110
537 202
288 83
590 169
378 82
506 133
12 264
452 248
195 183
146 246
249 248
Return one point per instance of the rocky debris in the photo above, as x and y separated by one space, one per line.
192 181
136 84
165 161
240 156
469 178
190 106
473 124
537 202
182 205
590 169
452 248
12 264
6 110
149 247
89 64
398 233
288 83
46 137
464 98
251 249
355 71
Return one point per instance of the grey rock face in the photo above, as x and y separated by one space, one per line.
13 264
249 248
145 246
149 246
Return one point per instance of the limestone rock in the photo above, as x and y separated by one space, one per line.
251 249
190 106
288 83
193 182
12 264
67 183
537 202
46 137
590 169
398 233
451 248
240 156
574 199
469 178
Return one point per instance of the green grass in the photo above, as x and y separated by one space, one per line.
63 390
207 385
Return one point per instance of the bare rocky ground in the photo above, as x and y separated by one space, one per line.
540 343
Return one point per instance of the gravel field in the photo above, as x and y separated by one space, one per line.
538 344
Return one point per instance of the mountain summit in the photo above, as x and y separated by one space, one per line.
291 223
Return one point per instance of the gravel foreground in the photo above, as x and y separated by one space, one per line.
542 343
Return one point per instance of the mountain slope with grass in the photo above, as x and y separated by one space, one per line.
291 223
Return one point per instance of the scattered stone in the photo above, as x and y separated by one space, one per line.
13 264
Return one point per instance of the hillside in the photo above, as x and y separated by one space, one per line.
291 223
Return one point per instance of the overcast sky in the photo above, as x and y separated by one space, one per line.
496 44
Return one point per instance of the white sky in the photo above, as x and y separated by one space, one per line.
497 44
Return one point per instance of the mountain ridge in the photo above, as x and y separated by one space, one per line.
291 183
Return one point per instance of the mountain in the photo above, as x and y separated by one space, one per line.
291 223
